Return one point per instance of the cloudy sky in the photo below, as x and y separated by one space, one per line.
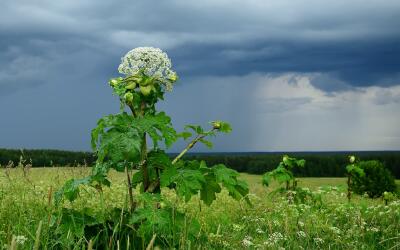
289 75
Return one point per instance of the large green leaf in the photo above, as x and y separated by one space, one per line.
228 178
159 128
188 182
209 189
168 176
70 190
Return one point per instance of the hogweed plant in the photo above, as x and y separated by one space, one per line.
121 142
284 175
353 170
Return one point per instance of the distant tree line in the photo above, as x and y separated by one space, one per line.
318 164
46 157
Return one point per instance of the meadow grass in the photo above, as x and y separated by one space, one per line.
271 222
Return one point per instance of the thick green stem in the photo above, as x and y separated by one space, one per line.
143 156
130 191
348 187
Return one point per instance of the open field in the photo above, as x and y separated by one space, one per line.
270 223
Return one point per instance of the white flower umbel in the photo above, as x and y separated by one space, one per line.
20 239
152 62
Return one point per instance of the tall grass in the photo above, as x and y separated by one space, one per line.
29 219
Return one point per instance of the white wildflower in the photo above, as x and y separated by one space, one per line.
247 241
237 227
275 238
20 239
259 231
276 223
373 229
335 230
318 240
301 234
152 62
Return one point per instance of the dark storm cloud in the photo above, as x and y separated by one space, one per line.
356 42
56 57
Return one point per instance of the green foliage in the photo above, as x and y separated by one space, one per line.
104 218
388 197
70 189
191 178
166 221
119 138
283 173
120 143
376 180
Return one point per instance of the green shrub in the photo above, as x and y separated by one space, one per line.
377 179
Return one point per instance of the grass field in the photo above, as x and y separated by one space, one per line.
271 222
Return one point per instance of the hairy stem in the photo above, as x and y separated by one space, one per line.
348 187
131 202
144 163
132 110
190 145
143 155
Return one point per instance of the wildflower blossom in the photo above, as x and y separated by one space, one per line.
276 237
301 234
318 241
259 231
20 239
152 62
237 227
247 241
335 230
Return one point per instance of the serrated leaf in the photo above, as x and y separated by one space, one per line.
168 175
159 128
301 163
137 178
70 190
185 135
224 127
209 190
196 128
188 183
207 143
159 159
99 174
266 179
228 177
225 175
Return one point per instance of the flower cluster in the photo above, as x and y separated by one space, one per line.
152 62
20 239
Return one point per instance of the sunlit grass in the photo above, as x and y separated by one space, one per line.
270 223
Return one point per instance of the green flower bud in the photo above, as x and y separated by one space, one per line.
285 158
216 125
128 97
173 77
131 85
352 159
162 204
146 81
146 89
113 82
